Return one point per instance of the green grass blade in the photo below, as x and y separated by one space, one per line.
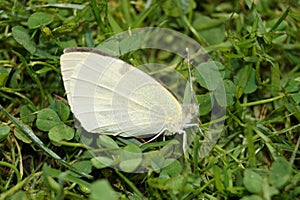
39 143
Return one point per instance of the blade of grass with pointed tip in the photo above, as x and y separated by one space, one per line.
39 143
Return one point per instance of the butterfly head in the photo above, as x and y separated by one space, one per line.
189 112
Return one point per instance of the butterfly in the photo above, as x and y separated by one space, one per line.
109 96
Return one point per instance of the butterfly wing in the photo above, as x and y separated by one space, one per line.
110 96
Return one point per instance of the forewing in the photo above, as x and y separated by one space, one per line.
108 95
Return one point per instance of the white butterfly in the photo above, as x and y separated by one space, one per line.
109 96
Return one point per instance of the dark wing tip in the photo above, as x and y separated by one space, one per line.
86 49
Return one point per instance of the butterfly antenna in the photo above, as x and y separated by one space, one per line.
190 74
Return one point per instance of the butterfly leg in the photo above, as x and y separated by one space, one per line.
161 132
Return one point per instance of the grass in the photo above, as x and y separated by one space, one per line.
256 48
